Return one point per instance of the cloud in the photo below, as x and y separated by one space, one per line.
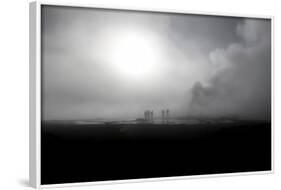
196 52
240 84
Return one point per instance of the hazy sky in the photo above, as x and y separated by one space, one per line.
116 64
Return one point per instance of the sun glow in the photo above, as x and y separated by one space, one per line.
134 55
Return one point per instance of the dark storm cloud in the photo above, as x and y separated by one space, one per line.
202 53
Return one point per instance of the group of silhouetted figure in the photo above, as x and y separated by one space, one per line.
148 116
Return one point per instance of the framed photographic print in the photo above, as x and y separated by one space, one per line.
138 94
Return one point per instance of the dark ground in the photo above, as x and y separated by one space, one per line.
84 153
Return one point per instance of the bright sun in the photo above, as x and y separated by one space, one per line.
134 56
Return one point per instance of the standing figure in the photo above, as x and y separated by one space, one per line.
145 116
167 116
163 116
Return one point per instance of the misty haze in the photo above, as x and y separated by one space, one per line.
135 94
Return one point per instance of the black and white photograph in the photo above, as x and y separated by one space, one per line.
131 94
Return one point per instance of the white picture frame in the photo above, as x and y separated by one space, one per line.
35 94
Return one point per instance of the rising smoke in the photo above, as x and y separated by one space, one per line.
240 85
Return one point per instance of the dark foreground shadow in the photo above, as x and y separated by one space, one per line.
84 153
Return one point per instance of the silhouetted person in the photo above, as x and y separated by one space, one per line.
163 116
167 116
146 116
